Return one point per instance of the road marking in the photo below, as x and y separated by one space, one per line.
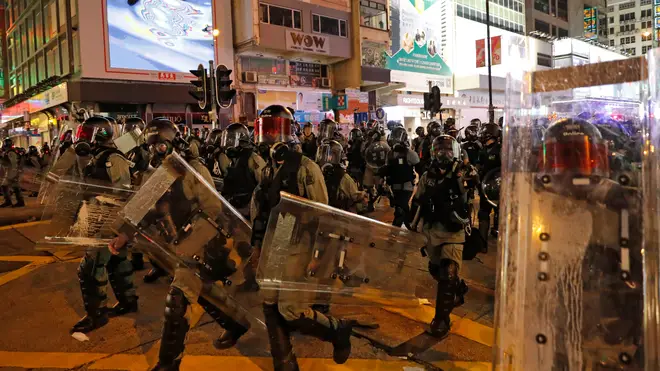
35 262
23 225
138 362
460 326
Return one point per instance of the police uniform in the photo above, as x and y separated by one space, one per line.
12 165
473 150
242 176
417 143
69 163
400 176
489 160
308 144
343 192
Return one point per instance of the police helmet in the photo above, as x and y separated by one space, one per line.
161 136
398 136
273 125
327 130
434 129
376 155
445 150
235 137
472 132
330 152
355 135
450 123
7 143
214 138
132 123
96 129
33 151
372 124
490 132
574 147
420 131
475 122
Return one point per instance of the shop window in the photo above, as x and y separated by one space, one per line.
264 66
279 16
373 15
328 25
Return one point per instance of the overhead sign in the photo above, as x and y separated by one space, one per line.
481 52
496 50
304 42
380 113
338 102
416 100
590 23
50 98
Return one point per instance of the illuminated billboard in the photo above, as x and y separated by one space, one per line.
159 35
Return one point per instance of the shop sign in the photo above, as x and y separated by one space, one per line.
177 118
49 98
201 118
304 42
273 79
304 74
416 100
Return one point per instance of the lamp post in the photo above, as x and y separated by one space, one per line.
491 109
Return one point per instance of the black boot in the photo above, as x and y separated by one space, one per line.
280 340
97 315
19 197
175 328
7 195
120 274
154 274
233 329
338 333
137 260
449 295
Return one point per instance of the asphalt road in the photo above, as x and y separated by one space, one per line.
41 301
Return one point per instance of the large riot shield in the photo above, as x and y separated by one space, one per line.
571 278
30 179
179 219
314 253
81 213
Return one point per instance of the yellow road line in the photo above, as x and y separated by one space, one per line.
10 276
460 326
23 225
27 258
137 362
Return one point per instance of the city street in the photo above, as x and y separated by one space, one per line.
42 301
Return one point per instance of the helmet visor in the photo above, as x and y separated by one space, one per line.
446 149
230 139
271 130
576 155
399 135
85 133
329 153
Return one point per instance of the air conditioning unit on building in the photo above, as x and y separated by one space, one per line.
249 76
325 82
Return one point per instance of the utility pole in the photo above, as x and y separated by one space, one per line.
213 114
491 109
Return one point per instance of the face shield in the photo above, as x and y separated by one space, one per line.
270 130
445 150
329 153
577 155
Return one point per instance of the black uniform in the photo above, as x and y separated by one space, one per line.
489 160
400 175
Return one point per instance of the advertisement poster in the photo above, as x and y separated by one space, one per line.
496 48
304 74
415 42
481 53
159 35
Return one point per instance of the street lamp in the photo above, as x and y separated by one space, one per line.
491 109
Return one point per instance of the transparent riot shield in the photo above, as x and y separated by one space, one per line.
314 253
180 220
570 283
81 214
30 179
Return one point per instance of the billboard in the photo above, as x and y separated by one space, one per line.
153 40
416 52
159 35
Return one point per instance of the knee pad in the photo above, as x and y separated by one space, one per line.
483 214
176 303
446 270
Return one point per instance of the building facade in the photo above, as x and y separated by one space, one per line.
631 25
109 57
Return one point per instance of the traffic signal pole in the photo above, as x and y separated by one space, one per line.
213 114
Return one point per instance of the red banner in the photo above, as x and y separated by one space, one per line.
481 53
496 48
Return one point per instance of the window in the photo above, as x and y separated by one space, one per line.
620 17
647 36
327 25
373 15
39 30
541 26
633 51
622 41
563 32
562 9
542 6
611 42
61 7
632 39
621 28
643 49
627 40
52 20
611 20
611 30
543 60
279 16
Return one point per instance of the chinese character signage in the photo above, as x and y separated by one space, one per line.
304 74
416 43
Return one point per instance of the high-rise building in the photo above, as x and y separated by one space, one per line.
630 25
563 18
505 14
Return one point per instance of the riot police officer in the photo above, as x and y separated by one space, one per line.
11 161
417 142
186 198
294 173
308 141
356 163
472 145
214 156
245 169
489 160
375 151
33 160
400 175
329 130
46 156
442 198
99 266
343 192
433 129
449 127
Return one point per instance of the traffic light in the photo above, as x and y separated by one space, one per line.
224 93
432 101
200 87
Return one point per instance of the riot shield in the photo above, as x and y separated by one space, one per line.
490 185
30 179
314 253
81 214
571 275
178 216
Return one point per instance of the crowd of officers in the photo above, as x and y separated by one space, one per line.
430 182
14 161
